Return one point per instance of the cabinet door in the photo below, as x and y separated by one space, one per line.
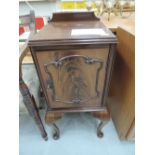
73 78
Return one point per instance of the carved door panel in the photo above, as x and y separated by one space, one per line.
73 78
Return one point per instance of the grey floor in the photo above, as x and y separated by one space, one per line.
78 133
78 137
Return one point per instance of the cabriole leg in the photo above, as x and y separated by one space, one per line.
51 118
104 117
99 128
56 132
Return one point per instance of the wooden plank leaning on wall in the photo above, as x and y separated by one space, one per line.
121 101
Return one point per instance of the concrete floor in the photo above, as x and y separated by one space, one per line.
77 137
77 132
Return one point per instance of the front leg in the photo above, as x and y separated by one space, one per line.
51 118
104 117
56 133
99 128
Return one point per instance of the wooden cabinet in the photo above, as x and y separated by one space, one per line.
74 69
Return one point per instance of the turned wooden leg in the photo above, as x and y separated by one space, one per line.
104 117
30 104
51 118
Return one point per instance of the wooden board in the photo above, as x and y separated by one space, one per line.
121 99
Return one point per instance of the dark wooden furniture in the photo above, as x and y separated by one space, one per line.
74 70
121 98
28 99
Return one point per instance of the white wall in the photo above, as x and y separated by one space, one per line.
42 8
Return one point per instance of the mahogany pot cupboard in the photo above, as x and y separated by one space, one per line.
73 55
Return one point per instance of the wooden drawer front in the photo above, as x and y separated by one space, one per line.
73 78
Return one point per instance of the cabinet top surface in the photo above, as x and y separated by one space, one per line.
73 27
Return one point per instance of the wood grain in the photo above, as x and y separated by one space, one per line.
57 32
64 80
121 100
